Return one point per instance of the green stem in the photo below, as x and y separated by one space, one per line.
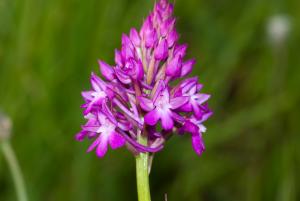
15 170
142 176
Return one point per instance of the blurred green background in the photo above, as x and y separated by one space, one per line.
49 48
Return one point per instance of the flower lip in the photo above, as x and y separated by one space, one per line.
106 129
161 108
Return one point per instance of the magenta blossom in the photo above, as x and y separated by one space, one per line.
162 107
107 134
138 95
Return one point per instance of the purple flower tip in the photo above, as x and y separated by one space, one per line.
106 70
161 52
138 95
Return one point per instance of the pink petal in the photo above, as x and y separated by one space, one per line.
172 38
108 113
167 26
124 125
92 120
164 96
125 40
197 111
81 135
106 70
127 51
206 116
174 66
201 98
199 87
97 83
139 71
84 105
90 128
150 38
180 50
166 120
91 104
187 67
94 82
134 37
122 77
146 27
157 89
118 58
191 128
177 117
102 146
198 144
94 144
116 140
186 107
146 103
126 111
193 90
161 51
87 95
178 101
152 117
188 84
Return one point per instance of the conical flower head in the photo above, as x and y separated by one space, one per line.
139 95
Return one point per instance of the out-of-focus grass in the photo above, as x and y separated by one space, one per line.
49 48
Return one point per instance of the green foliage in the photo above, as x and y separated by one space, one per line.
49 48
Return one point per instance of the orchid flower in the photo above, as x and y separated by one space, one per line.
139 102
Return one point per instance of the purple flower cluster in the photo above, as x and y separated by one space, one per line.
137 96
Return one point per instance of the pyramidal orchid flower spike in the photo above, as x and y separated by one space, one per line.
137 103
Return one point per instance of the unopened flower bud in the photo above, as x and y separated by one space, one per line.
174 67
134 37
172 38
106 70
187 67
161 51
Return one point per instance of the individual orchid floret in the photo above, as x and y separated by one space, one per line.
105 132
141 96
190 88
161 107
131 70
195 127
96 96
180 50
